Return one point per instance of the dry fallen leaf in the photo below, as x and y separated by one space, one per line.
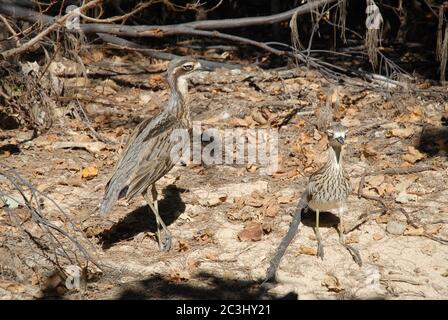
368 150
259 117
378 236
433 229
307 250
272 209
404 197
203 236
251 168
183 246
401 132
286 198
238 122
252 232
89 172
410 231
375 181
93 147
332 283
414 115
413 155
382 219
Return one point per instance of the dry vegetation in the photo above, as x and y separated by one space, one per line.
69 103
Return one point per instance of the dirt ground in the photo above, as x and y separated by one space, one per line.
227 220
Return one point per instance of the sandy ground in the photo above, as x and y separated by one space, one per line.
207 207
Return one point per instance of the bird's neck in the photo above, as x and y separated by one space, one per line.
335 156
177 103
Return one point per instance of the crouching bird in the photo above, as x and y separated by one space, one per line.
148 156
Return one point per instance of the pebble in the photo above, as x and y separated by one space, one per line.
395 227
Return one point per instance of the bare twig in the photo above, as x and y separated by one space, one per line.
57 24
361 193
126 44
164 30
84 118
397 171
50 244
281 249
411 222
10 28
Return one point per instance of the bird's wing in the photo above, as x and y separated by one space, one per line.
131 156
155 162
145 130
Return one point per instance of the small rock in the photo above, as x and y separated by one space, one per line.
395 227
404 197
210 201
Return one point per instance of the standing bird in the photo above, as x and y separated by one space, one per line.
328 189
148 154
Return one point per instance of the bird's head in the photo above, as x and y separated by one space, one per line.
336 135
182 67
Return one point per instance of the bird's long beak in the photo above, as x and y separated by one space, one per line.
340 140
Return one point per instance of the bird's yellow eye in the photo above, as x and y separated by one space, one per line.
187 67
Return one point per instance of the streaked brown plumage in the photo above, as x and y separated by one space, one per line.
329 187
147 156
327 190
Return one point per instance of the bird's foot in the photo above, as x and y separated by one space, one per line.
354 253
165 240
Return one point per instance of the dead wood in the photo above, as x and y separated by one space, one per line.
126 44
60 245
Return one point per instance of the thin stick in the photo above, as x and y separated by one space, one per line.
126 44
361 193
398 171
57 24
293 228
89 125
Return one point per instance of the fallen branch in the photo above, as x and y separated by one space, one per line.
361 193
412 223
270 278
56 242
84 118
92 147
56 25
126 44
201 29
397 171
166 30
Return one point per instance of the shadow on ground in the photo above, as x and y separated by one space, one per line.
326 219
171 207
203 286
434 140
9 149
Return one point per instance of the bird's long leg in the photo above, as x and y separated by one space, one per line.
166 238
163 235
353 252
320 246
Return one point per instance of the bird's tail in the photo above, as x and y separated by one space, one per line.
111 195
